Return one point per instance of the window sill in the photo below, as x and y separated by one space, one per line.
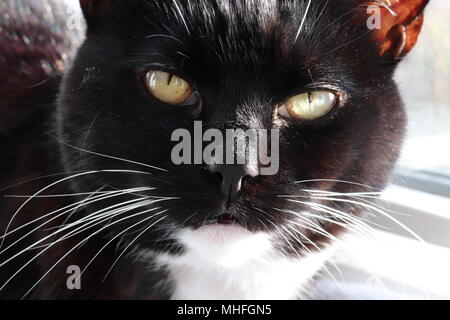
394 263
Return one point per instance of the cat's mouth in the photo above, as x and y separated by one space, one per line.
224 219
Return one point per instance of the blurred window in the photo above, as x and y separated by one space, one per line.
424 81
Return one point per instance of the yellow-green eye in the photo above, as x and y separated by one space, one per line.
308 106
168 87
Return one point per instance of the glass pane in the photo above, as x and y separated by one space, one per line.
424 80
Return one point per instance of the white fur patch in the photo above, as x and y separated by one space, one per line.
229 262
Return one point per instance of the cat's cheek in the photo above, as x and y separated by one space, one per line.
225 245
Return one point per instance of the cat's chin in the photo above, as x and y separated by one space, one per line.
223 235
225 245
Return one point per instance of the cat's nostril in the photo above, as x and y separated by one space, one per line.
213 174
232 178
217 177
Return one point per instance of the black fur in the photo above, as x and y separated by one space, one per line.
244 61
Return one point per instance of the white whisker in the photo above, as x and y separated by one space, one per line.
188 218
344 224
121 234
182 17
81 205
83 202
110 157
338 181
310 252
303 21
365 205
132 242
67 253
51 185
81 221
38 178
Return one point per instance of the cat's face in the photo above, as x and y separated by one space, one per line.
243 61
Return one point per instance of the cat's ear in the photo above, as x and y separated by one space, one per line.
395 25
93 9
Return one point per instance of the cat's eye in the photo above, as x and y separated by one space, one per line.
308 106
170 88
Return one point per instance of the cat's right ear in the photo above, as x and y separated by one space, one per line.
93 10
394 24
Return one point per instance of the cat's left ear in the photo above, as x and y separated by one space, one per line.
395 25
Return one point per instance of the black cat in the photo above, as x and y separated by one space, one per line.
109 215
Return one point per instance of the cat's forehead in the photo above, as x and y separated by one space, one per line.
232 29
231 39
236 17
263 12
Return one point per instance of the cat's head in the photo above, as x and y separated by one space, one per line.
318 72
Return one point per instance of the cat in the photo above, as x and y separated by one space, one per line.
94 206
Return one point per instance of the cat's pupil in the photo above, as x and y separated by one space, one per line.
169 79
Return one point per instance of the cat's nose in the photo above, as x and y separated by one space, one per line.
233 177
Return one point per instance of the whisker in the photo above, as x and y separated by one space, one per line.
337 240
341 224
120 234
181 16
325 194
340 212
51 185
334 211
38 178
109 215
188 218
320 15
303 21
69 216
339 181
70 251
396 221
109 156
131 243
320 250
314 228
85 221
265 226
56 195
64 211
373 195
55 242
164 36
